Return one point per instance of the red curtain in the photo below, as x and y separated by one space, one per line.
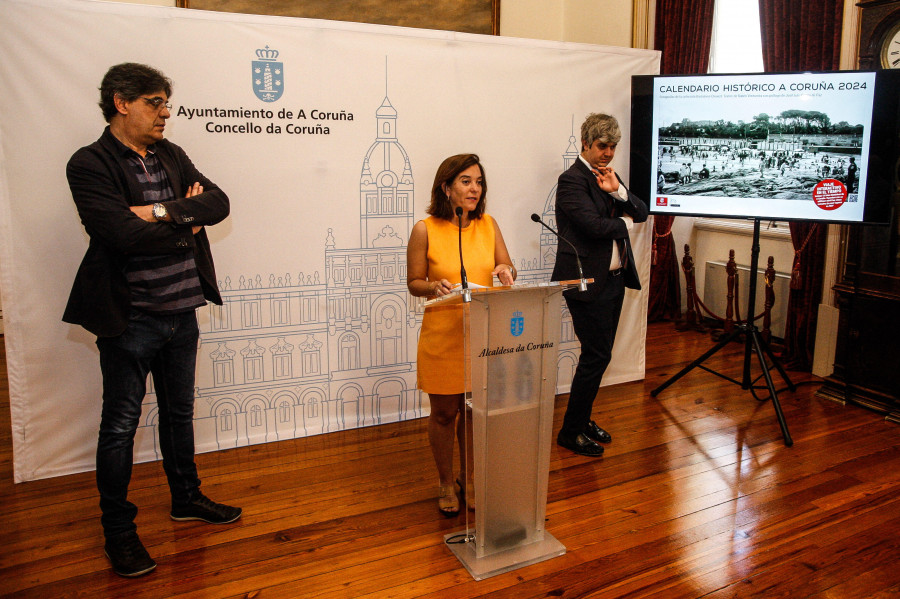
683 35
665 283
802 35
807 273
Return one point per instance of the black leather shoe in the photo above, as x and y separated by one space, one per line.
597 434
581 445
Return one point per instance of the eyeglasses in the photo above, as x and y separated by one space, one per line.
157 102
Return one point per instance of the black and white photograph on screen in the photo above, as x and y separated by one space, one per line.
741 144
781 156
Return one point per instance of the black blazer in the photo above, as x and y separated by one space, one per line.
589 218
103 188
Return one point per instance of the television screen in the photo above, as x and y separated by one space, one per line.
787 146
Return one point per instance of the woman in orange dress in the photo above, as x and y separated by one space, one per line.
433 269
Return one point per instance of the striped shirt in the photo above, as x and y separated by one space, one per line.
161 283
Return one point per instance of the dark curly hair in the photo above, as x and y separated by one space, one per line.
130 81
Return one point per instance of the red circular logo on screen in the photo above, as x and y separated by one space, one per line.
829 194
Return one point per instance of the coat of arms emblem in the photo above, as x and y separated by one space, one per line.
268 75
517 323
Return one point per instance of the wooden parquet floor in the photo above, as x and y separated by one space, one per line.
697 496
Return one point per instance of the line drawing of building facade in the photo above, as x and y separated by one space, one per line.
569 347
299 355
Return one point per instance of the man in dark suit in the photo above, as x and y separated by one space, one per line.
147 269
595 213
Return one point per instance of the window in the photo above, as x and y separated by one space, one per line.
310 309
736 47
309 355
282 366
348 358
736 40
310 362
219 317
253 369
386 205
280 312
250 314
224 372
256 416
312 408
284 412
225 423
388 336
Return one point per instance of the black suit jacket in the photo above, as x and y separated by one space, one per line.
104 187
589 218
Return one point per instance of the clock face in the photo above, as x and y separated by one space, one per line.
890 48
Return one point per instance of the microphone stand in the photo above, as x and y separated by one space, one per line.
582 283
466 292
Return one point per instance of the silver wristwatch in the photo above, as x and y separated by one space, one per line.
159 211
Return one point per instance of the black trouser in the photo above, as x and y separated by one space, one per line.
595 324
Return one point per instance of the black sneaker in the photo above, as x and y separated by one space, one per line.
205 509
127 555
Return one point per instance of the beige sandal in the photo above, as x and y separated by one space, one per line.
448 503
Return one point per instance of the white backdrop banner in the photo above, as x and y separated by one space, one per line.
326 137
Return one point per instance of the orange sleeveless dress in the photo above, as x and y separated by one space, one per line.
440 363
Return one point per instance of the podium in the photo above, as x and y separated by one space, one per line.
511 347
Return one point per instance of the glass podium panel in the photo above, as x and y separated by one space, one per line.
512 338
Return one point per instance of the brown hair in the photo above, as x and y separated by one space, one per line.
448 171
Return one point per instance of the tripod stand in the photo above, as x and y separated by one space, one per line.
753 343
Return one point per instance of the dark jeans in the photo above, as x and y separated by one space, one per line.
165 346
595 325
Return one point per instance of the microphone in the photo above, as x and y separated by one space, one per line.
462 267
582 284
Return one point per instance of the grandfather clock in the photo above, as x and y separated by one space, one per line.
867 356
